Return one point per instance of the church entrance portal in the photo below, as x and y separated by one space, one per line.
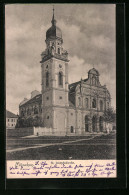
60 118
86 124
101 123
94 124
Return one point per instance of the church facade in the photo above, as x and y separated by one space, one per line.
68 109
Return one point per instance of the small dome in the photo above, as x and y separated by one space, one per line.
93 71
54 32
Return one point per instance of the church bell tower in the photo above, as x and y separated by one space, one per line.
54 81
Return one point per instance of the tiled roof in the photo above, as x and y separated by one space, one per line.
10 115
37 98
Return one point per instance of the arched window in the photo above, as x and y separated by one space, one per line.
108 105
48 52
94 103
86 123
47 79
35 110
94 124
58 50
93 81
86 103
101 105
101 123
79 101
60 79
22 113
28 111
72 129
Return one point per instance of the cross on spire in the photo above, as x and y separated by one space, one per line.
53 12
53 19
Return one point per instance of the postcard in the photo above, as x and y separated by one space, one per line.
60 91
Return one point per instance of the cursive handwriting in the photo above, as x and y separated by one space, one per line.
61 169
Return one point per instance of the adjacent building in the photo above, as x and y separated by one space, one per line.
67 109
11 120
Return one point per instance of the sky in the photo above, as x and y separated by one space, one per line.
88 32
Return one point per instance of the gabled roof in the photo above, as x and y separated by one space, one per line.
10 114
37 98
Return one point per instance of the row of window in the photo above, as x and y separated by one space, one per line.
11 125
93 103
28 112
58 51
60 79
94 124
11 120
60 97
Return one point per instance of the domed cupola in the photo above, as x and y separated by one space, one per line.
93 71
93 76
53 32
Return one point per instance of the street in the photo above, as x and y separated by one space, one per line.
62 148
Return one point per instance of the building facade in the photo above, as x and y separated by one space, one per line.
67 109
11 120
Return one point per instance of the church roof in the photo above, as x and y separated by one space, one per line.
37 98
72 86
10 114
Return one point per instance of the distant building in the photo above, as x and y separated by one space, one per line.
67 109
11 120
31 107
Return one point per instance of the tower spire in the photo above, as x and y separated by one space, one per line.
53 12
53 19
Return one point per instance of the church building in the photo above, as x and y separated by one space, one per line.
68 109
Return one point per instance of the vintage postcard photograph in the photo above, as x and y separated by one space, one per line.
60 90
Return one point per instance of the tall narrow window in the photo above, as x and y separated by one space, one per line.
22 113
93 81
79 101
47 79
94 103
58 50
86 123
101 105
60 79
101 123
28 111
72 129
108 105
86 102
35 110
